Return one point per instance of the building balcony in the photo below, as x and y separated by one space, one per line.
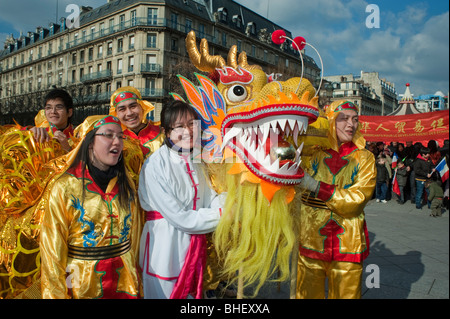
152 93
97 76
150 68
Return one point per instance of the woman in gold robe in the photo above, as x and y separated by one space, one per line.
91 226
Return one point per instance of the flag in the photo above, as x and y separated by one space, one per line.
442 168
395 187
394 160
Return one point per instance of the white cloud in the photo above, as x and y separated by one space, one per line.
411 45
422 57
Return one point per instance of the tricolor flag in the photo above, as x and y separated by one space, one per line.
442 168
394 160
395 187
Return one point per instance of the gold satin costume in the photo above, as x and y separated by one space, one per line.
26 167
333 237
71 227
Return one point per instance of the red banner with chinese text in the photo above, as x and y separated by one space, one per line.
401 128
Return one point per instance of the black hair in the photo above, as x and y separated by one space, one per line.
172 111
424 150
126 191
60 94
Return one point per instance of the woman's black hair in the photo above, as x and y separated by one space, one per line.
126 191
172 111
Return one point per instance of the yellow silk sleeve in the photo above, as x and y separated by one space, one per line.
53 245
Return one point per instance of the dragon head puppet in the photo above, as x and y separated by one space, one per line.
253 133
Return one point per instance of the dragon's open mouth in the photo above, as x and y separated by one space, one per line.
262 140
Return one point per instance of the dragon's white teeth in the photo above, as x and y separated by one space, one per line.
292 123
282 123
265 132
284 169
275 166
230 134
295 132
298 153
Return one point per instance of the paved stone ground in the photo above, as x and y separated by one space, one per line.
410 249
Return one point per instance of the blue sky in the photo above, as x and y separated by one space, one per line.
410 46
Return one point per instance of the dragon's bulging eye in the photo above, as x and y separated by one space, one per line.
237 93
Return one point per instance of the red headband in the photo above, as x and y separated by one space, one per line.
109 119
126 95
346 106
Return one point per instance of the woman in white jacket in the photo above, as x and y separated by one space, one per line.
180 209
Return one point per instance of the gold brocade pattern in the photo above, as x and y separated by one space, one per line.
26 167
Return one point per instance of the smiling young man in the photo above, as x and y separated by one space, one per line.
55 118
127 104
333 234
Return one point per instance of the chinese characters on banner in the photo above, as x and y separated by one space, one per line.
401 128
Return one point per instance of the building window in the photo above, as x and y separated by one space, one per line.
152 16
237 20
174 21
131 42
174 44
110 48
151 40
119 66
188 26
111 25
130 64
223 14
121 22
251 28
90 54
201 30
133 18
119 45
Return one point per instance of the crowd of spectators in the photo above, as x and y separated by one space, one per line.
414 165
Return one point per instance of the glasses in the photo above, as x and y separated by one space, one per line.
112 136
180 128
55 108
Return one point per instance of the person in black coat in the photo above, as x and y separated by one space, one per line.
423 169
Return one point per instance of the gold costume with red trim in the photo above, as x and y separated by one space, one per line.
88 243
150 138
333 228
334 225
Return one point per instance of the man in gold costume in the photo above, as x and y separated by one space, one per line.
127 104
333 236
